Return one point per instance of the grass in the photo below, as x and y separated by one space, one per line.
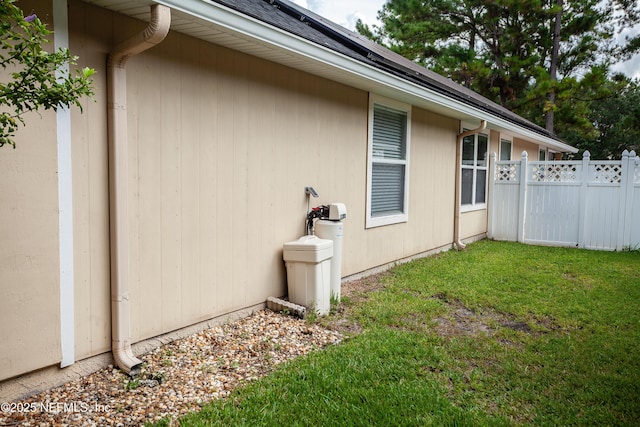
502 334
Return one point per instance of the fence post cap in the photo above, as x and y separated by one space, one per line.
586 154
625 153
524 154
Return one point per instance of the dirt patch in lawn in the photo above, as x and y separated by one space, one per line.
353 293
461 320
357 291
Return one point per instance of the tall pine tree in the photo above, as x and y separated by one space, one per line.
526 55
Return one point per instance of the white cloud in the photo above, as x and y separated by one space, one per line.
345 13
302 3
631 67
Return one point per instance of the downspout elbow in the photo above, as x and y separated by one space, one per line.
457 242
121 336
155 32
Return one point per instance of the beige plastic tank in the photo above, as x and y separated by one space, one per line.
308 263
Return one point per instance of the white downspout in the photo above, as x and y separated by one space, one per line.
458 202
155 32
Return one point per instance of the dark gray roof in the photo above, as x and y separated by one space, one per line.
297 20
280 16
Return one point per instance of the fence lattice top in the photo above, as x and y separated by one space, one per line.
555 172
605 172
507 172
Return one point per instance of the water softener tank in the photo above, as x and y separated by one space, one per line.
332 228
308 263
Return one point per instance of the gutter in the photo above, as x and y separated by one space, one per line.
458 201
155 32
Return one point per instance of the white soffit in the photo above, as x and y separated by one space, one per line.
218 24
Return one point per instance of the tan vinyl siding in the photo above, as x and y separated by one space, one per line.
494 144
473 223
29 236
29 242
222 145
520 145
29 268
90 39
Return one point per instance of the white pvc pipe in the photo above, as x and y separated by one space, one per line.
155 32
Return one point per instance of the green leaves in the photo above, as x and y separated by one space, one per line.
504 50
88 72
38 77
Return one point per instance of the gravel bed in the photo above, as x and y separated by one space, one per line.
178 377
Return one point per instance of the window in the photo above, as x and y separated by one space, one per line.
542 156
389 129
474 171
505 149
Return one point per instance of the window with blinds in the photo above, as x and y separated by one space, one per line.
388 162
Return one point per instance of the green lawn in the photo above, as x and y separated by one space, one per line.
500 334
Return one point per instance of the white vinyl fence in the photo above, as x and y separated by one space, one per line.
592 204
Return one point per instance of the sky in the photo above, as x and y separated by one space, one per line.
347 12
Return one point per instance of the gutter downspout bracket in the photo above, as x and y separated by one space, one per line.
458 202
155 32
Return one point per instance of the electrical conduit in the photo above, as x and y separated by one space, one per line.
155 32
458 202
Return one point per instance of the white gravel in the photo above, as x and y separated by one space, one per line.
177 378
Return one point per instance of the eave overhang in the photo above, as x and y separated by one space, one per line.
213 22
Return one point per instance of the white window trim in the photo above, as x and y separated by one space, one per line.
476 206
379 221
510 140
472 208
546 153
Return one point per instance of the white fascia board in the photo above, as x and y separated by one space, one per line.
530 135
255 29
